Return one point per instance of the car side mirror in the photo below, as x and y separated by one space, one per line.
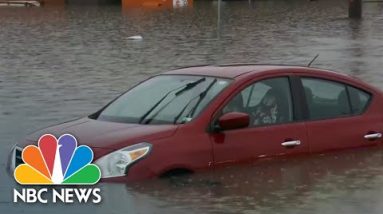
233 120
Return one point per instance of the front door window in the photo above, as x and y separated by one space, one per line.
267 102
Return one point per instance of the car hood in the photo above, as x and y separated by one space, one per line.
106 135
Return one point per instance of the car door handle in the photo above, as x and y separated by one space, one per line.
373 136
291 143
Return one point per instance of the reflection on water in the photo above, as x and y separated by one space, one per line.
295 184
156 4
62 62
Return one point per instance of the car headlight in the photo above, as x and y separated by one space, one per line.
116 163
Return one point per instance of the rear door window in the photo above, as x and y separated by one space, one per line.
326 99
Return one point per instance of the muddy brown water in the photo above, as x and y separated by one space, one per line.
59 63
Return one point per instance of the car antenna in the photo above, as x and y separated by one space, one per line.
311 62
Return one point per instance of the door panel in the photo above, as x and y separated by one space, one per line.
341 133
272 130
336 119
258 142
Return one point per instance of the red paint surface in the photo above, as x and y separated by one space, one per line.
192 146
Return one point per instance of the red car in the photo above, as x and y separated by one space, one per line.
203 117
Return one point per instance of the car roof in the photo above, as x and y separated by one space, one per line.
235 70
244 71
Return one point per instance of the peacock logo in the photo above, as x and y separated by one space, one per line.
57 162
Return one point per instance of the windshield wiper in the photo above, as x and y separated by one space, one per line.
200 98
182 90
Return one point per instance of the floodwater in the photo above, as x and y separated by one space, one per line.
62 62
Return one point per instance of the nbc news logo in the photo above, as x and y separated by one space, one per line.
57 162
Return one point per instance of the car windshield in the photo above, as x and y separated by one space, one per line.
164 99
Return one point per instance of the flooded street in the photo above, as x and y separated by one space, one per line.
63 62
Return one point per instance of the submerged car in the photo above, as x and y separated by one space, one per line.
203 117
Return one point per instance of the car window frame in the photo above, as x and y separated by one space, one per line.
296 102
346 84
370 98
